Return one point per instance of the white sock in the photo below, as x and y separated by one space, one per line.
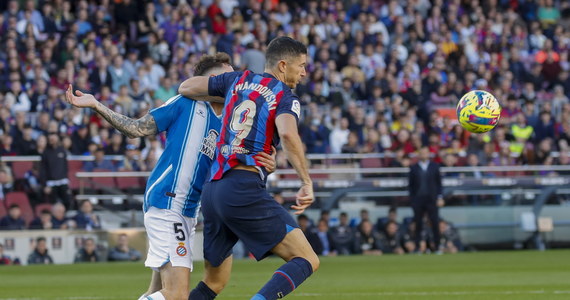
156 296
143 297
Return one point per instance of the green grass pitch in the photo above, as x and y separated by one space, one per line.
483 275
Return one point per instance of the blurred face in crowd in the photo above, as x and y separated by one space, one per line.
391 228
366 227
424 154
303 223
86 207
89 246
323 226
53 139
58 211
15 212
41 246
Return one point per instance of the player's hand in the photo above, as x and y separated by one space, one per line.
80 99
304 197
267 161
440 202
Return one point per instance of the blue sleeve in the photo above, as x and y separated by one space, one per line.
166 114
219 85
289 104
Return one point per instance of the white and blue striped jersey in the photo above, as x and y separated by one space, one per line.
192 129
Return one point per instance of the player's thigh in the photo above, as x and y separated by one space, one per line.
295 244
171 236
175 281
216 278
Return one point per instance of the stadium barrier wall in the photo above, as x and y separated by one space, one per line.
62 245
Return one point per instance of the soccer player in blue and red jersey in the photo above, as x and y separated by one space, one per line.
260 110
172 196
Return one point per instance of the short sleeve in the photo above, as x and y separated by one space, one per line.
166 114
219 85
289 104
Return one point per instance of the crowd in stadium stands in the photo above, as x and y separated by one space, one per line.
344 236
383 76
84 219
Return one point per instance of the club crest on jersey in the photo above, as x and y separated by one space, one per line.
209 144
181 250
296 108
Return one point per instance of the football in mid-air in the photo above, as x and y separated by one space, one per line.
478 111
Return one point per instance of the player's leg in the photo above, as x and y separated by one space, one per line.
154 286
170 238
218 243
175 283
302 261
215 279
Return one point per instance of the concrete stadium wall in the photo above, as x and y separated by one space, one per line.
63 244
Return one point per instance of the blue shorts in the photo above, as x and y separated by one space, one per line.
238 206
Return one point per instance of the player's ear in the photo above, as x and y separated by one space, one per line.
282 65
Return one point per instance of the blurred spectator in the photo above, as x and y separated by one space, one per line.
86 218
368 240
43 221
133 160
343 236
253 59
390 240
59 220
411 235
4 259
122 252
80 140
383 221
40 254
426 196
53 171
6 182
13 220
100 163
309 231
326 244
87 253
450 239
339 136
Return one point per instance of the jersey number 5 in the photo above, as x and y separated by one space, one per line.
242 120
179 232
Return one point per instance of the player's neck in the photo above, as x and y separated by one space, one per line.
280 77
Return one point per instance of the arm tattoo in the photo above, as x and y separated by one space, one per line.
132 128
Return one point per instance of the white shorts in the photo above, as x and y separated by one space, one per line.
170 238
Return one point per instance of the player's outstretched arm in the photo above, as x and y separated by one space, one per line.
130 127
293 147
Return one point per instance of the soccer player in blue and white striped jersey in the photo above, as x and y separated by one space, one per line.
172 197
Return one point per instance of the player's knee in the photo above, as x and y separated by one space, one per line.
314 260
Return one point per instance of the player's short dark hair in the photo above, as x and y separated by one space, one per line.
209 62
14 205
283 48
40 239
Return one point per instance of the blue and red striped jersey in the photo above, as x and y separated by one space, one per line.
252 102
